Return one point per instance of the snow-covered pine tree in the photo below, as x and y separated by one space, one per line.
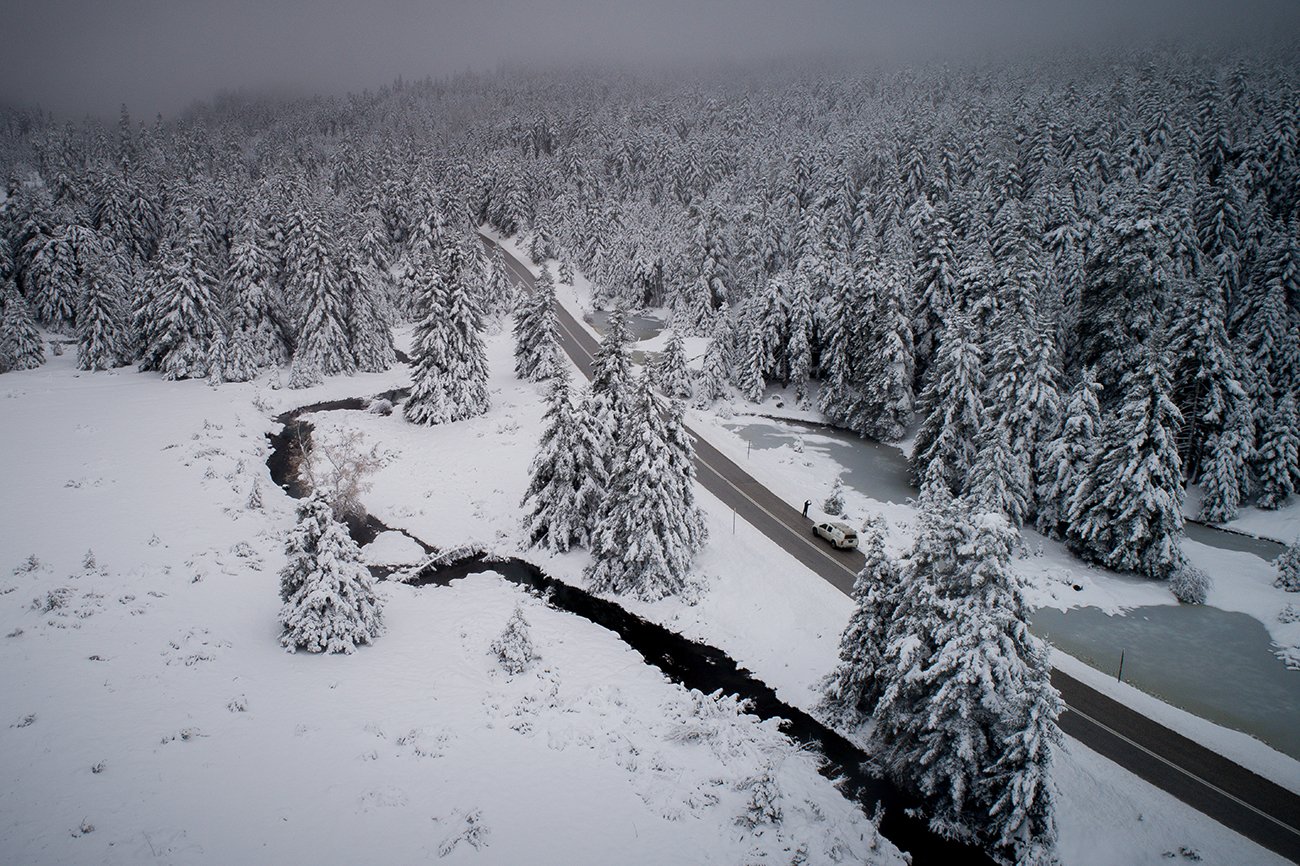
536 331
1205 378
20 341
513 647
1000 478
184 312
328 595
884 408
670 373
257 340
369 330
102 341
498 292
1225 473
834 503
1067 454
681 478
1126 283
715 370
935 289
50 278
968 715
1288 568
449 379
1127 513
550 502
319 295
1278 457
645 543
593 447
851 691
953 407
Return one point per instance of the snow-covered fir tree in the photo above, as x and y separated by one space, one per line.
450 371
536 331
851 692
550 502
651 530
369 330
834 503
1288 568
1278 456
1000 478
498 291
102 342
256 327
1225 473
513 647
184 311
946 444
715 369
319 294
1127 510
328 594
1067 454
20 341
885 407
967 717
50 278
593 447
671 375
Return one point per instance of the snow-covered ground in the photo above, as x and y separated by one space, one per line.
152 714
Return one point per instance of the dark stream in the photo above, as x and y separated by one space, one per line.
688 663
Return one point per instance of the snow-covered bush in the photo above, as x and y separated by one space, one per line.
380 407
1190 584
514 648
1288 568
340 467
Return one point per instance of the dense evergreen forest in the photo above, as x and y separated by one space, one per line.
1081 281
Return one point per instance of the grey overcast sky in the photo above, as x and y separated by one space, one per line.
77 56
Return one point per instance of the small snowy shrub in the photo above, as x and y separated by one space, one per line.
380 407
340 469
1189 584
834 503
514 649
1288 568
1289 614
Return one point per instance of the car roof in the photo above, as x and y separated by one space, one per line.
842 527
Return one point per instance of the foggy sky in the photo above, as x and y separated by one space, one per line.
75 56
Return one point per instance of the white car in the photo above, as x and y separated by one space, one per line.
838 534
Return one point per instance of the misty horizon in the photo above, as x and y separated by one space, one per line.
76 58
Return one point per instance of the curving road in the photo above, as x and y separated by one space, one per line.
1230 794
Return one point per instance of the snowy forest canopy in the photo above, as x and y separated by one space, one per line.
1029 260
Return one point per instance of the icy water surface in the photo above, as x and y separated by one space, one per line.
642 327
871 468
1214 663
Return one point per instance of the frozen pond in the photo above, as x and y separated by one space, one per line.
1214 663
1264 548
642 327
871 468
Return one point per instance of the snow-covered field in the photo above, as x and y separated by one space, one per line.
152 714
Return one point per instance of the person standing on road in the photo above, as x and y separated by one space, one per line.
806 503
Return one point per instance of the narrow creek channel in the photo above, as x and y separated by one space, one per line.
688 663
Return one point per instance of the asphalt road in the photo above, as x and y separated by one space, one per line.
1230 794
